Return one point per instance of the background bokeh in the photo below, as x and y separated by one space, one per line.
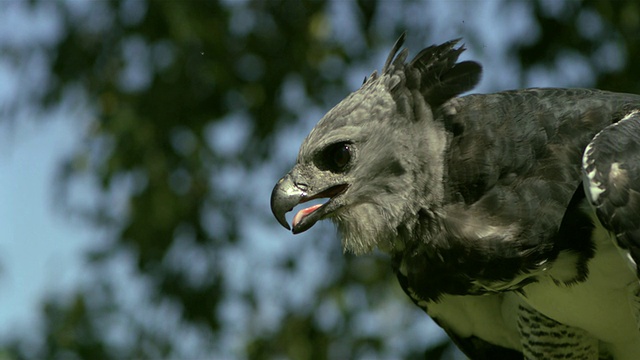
140 141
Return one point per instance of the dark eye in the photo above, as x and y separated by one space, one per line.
342 156
336 157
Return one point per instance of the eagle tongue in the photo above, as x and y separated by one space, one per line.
304 213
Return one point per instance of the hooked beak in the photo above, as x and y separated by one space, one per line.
292 190
285 195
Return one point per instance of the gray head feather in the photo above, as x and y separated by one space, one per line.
396 164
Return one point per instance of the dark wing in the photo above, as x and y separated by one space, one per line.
611 177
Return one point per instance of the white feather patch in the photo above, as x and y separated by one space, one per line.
592 187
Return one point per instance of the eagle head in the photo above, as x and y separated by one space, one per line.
377 156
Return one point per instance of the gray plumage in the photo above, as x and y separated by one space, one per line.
494 215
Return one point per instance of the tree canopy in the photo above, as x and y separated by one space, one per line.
192 111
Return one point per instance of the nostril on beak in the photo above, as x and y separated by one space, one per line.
302 186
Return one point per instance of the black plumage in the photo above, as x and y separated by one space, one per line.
501 212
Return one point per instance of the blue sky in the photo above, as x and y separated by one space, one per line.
40 247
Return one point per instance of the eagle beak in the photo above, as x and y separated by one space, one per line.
296 188
285 195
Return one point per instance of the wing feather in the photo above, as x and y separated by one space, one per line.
611 178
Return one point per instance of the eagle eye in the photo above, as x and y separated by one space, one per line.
336 157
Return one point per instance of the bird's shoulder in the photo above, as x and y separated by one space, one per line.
512 170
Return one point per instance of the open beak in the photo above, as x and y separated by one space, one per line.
292 190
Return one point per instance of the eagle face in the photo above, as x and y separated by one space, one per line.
360 157
378 155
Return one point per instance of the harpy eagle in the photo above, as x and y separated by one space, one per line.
512 219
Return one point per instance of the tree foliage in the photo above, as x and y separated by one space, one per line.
195 108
